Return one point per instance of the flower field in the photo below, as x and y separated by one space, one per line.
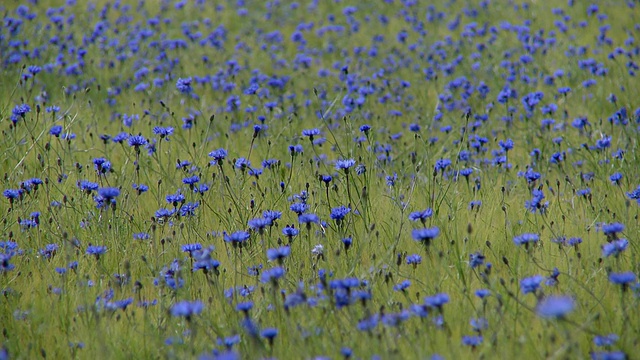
319 179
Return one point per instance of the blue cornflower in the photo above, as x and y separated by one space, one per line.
442 164
87 186
187 309
259 224
436 301
476 259
96 250
552 280
5 265
163 132
479 325
269 334
278 254
296 149
308 219
52 109
290 232
624 278
414 260
49 251
555 307
506 145
535 204
56 130
402 286
12 194
175 199
121 137
612 230
163 214
606 340
482 293
608 355
635 194
20 111
204 261
422 216
272 215
141 236
369 323
346 352
109 193
218 155
102 165
270 163
184 85
338 214
30 184
345 164
137 141
244 306
472 341
299 208
425 235
311 133
236 238
526 239
242 164
614 248
191 180
272 275
190 248
531 284
615 178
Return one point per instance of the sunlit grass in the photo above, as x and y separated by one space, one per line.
57 303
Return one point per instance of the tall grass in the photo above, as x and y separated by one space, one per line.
395 87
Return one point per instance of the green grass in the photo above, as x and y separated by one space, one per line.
42 312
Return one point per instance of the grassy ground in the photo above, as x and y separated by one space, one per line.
427 81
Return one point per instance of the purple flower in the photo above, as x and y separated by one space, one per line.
425 235
414 259
218 156
612 230
614 248
624 278
472 341
338 214
555 307
184 85
237 237
421 215
345 164
278 254
259 224
437 300
272 275
19 111
476 259
531 284
96 250
109 193
187 309
526 239
290 232
137 141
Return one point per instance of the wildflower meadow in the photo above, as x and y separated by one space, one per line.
389 179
